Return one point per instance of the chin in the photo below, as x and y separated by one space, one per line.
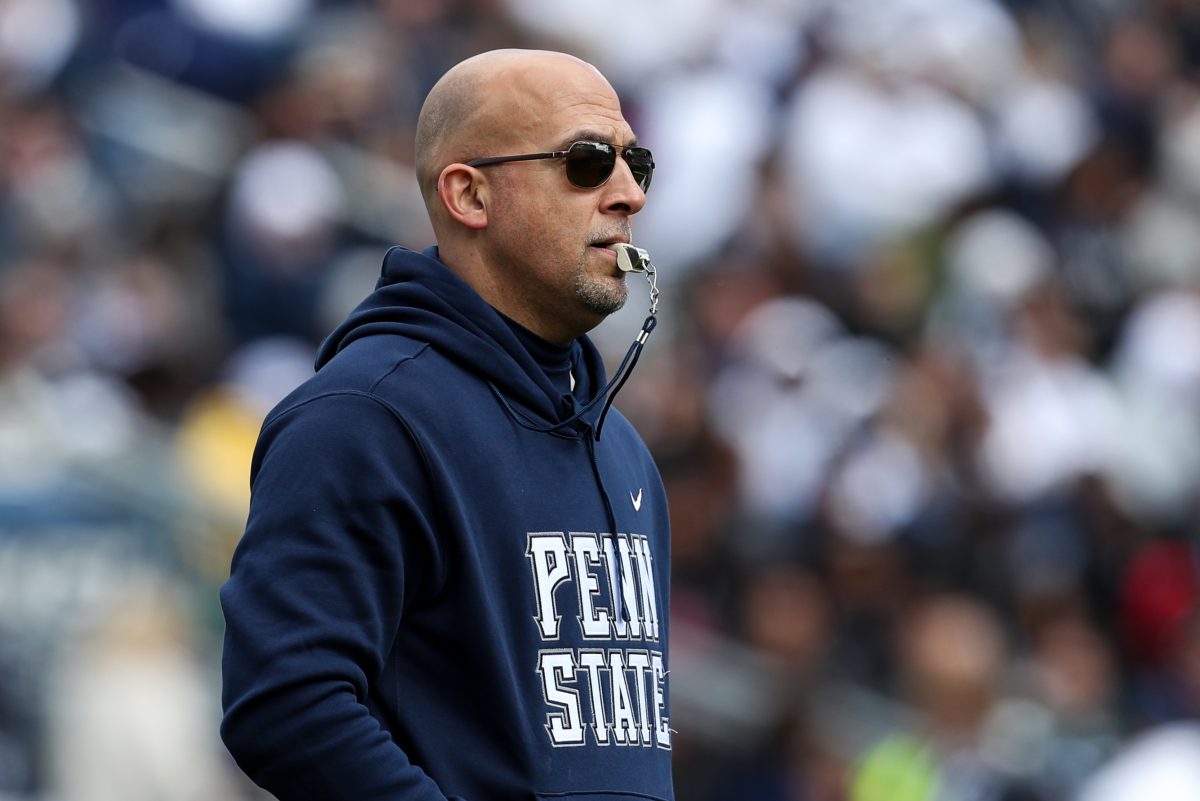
603 296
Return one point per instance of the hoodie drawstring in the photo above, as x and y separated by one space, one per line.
617 587
608 394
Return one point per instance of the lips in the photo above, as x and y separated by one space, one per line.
616 237
609 247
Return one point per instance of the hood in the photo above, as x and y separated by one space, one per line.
418 297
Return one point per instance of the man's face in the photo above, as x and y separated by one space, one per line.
547 236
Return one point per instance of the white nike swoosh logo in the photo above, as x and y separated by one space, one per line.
637 502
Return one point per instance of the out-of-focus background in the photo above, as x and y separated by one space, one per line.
925 390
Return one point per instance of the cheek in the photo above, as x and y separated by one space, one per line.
560 228
536 246
544 220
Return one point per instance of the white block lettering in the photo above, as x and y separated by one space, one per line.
624 719
547 553
594 621
639 663
593 662
646 582
565 725
662 724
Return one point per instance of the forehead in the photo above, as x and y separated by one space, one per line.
569 102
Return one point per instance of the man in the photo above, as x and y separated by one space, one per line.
449 586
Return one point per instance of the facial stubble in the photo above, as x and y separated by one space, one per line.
601 295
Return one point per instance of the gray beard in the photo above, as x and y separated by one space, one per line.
600 296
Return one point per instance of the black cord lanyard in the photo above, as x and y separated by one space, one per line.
632 260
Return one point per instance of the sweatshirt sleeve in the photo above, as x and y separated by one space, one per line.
337 542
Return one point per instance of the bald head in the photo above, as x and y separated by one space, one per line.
519 231
487 101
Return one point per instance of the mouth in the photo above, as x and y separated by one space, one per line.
605 246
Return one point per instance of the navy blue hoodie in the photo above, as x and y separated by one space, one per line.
439 593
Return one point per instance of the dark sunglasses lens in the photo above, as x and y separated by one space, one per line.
641 164
589 164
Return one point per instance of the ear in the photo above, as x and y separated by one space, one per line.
463 190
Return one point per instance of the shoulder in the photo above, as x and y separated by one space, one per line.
371 393
365 363
335 427
385 371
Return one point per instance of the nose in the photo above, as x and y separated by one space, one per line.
622 194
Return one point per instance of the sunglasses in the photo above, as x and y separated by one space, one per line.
589 164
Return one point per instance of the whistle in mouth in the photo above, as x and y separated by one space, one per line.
631 259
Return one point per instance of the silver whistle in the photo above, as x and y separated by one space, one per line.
636 260
631 259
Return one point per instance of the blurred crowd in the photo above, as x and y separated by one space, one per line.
925 390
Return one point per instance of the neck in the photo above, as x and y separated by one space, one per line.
503 296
